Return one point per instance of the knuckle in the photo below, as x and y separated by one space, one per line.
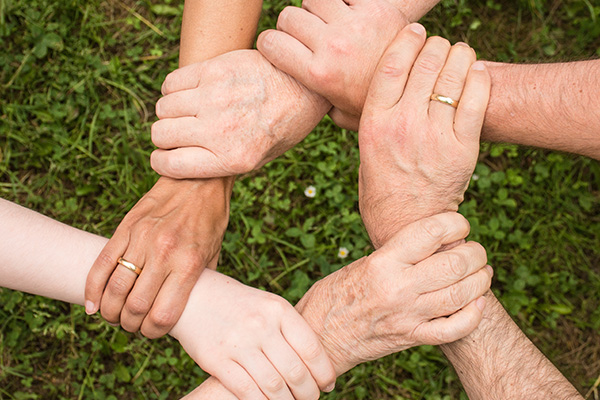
246 388
455 265
450 80
163 319
455 297
432 228
392 66
312 350
106 260
137 305
118 286
320 74
274 384
297 374
244 162
339 46
428 63
166 241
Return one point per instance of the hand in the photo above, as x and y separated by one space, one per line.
230 115
403 295
333 47
417 155
172 233
253 341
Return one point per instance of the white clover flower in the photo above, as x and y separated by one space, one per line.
343 252
310 191
475 177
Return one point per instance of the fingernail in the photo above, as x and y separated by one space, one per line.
266 41
90 307
480 303
462 44
478 66
417 28
330 388
490 270
111 324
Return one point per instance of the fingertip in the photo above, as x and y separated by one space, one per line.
90 307
478 66
480 302
417 28
264 42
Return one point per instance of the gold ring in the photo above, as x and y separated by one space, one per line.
444 99
130 266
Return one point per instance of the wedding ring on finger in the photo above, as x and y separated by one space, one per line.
444 99
130 266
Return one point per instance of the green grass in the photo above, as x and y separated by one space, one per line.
78 80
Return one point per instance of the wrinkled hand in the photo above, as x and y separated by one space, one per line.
417 155
253 341
230 115
403 295
333 47
172 233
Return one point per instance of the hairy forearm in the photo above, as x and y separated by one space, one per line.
546 105
497 361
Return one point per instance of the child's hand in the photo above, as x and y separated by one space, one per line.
253 341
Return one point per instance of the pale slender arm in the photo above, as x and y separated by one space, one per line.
39 255
546 105
498 362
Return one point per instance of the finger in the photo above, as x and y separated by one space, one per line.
183 103
292 369
302 25
184 78
344 120
448 267
471 109
119 285
451 82
425 72
393 70
238 381
286 53
168 305
327 10
103 267
308 347
266 376
449 300
450 329
141 298
170 133
419 240
189 163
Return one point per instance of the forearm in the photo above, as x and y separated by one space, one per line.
212 28
42 256
497 361
545 105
